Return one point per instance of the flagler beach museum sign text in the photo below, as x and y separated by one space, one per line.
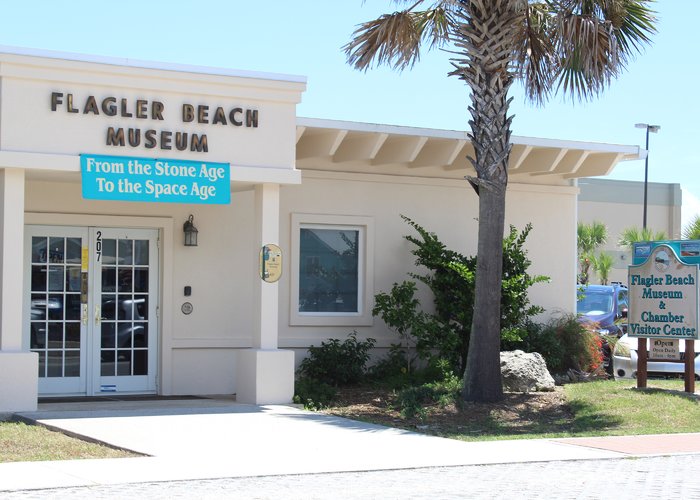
143 111
663 295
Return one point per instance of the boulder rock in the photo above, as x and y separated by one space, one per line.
525 372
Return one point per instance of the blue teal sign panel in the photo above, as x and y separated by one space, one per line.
126 178
687 251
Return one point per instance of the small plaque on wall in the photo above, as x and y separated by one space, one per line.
270 263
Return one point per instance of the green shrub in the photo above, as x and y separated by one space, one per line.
535 337
580 343
394 364
390 372
314 395
401 312
564 343
338 363
413 401
446 334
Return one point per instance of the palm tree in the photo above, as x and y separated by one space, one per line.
602 263
633 234
692 230
576 46
589 238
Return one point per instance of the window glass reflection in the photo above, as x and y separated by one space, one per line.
74 248
56 278
141 252
39 278
107 338
107 366
123 362
73 335
141 362
126 252
56 250
328 270
109 251
109 279
39 246
126 277
72 364
54 362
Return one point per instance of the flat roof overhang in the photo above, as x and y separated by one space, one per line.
330 144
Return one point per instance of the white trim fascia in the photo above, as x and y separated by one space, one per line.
430 181
629 152
137 63
379 128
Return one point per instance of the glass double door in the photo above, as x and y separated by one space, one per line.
91 302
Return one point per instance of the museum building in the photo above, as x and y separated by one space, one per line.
178 230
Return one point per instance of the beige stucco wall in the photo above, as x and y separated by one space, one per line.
446 207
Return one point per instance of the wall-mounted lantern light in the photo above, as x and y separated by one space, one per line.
190 232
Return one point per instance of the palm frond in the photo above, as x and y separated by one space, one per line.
588 54
595 40
692 230
395 39
535 62
634 234
392 39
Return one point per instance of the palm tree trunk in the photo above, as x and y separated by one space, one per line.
485 39
482 377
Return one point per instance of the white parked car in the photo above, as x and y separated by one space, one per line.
625 360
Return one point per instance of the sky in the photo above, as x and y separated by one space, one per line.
305 38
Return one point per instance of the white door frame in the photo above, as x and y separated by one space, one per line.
165 226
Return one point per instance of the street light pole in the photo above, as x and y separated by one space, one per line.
654 129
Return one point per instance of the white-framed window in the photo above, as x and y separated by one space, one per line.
332 270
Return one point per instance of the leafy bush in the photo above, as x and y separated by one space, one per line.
564 343
451 279
394 364
538 338
414 400
338 363
391 372
432 340
580 343
314 395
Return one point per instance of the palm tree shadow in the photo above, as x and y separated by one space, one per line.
671 392
570 418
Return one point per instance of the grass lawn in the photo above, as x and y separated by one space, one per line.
602 408
599 408
20 442
617 407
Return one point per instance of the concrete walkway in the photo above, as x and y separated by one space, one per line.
218 438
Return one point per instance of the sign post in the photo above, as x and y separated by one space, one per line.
663 292
690 366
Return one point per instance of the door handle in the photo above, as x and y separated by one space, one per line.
98 314
84 314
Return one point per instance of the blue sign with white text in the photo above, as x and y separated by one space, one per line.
125 178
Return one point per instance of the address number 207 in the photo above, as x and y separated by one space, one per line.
98 245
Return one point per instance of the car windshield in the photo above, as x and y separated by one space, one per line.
594 303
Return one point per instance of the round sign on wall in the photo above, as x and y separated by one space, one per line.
270 263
